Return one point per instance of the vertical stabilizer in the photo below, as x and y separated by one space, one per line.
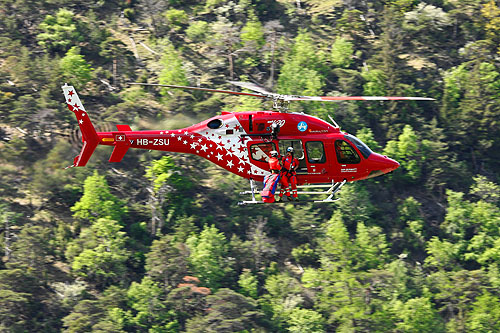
89 135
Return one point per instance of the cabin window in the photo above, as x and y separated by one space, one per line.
261 151
214 124
298 152
345 153
315 152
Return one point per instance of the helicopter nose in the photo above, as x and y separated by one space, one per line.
391 165
381 164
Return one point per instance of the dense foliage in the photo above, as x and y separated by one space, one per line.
157 243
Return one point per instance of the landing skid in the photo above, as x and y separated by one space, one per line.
332 190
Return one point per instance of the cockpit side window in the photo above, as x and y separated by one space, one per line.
345 153
362 147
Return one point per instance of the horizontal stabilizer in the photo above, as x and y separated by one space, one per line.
118 152
123 128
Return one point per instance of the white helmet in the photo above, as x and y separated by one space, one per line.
274 153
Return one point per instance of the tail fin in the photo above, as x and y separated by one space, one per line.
89 135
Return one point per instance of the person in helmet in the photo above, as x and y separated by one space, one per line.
289 175
272 180
274 162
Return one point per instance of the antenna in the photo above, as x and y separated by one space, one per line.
334 122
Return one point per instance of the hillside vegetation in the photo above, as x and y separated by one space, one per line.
157 243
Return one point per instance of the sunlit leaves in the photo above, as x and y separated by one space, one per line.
100 252
75 69
208 256
97 201
341 53
59 32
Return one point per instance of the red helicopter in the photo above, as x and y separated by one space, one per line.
241 142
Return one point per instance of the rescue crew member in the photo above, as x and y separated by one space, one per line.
289 175
274 162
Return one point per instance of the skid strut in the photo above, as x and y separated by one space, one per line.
333 188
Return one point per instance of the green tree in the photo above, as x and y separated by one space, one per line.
485 314
341 53
418 315
169 193
208 256
284 293
470 105
372 247
59 32
99 254
252 38
166 262
32 250
99 314
97 201
300 73
14 300
408 152
486 190
411 217
305 320
147 299
454 292
248 284
229 312
75 69
172 71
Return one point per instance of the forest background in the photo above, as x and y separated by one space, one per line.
157 243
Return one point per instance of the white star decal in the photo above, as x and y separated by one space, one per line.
193 145
192 136
186 133
179 138
172 135
230 163
81 121
219 156
240 169
204 147
185 142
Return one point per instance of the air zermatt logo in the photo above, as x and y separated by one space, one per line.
119 137
302 126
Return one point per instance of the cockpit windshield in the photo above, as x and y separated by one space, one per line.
363 148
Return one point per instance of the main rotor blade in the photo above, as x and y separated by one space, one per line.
263 93
251 86
202 89
354 98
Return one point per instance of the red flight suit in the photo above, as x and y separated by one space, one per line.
289 176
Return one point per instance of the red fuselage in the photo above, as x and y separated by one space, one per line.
240 142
